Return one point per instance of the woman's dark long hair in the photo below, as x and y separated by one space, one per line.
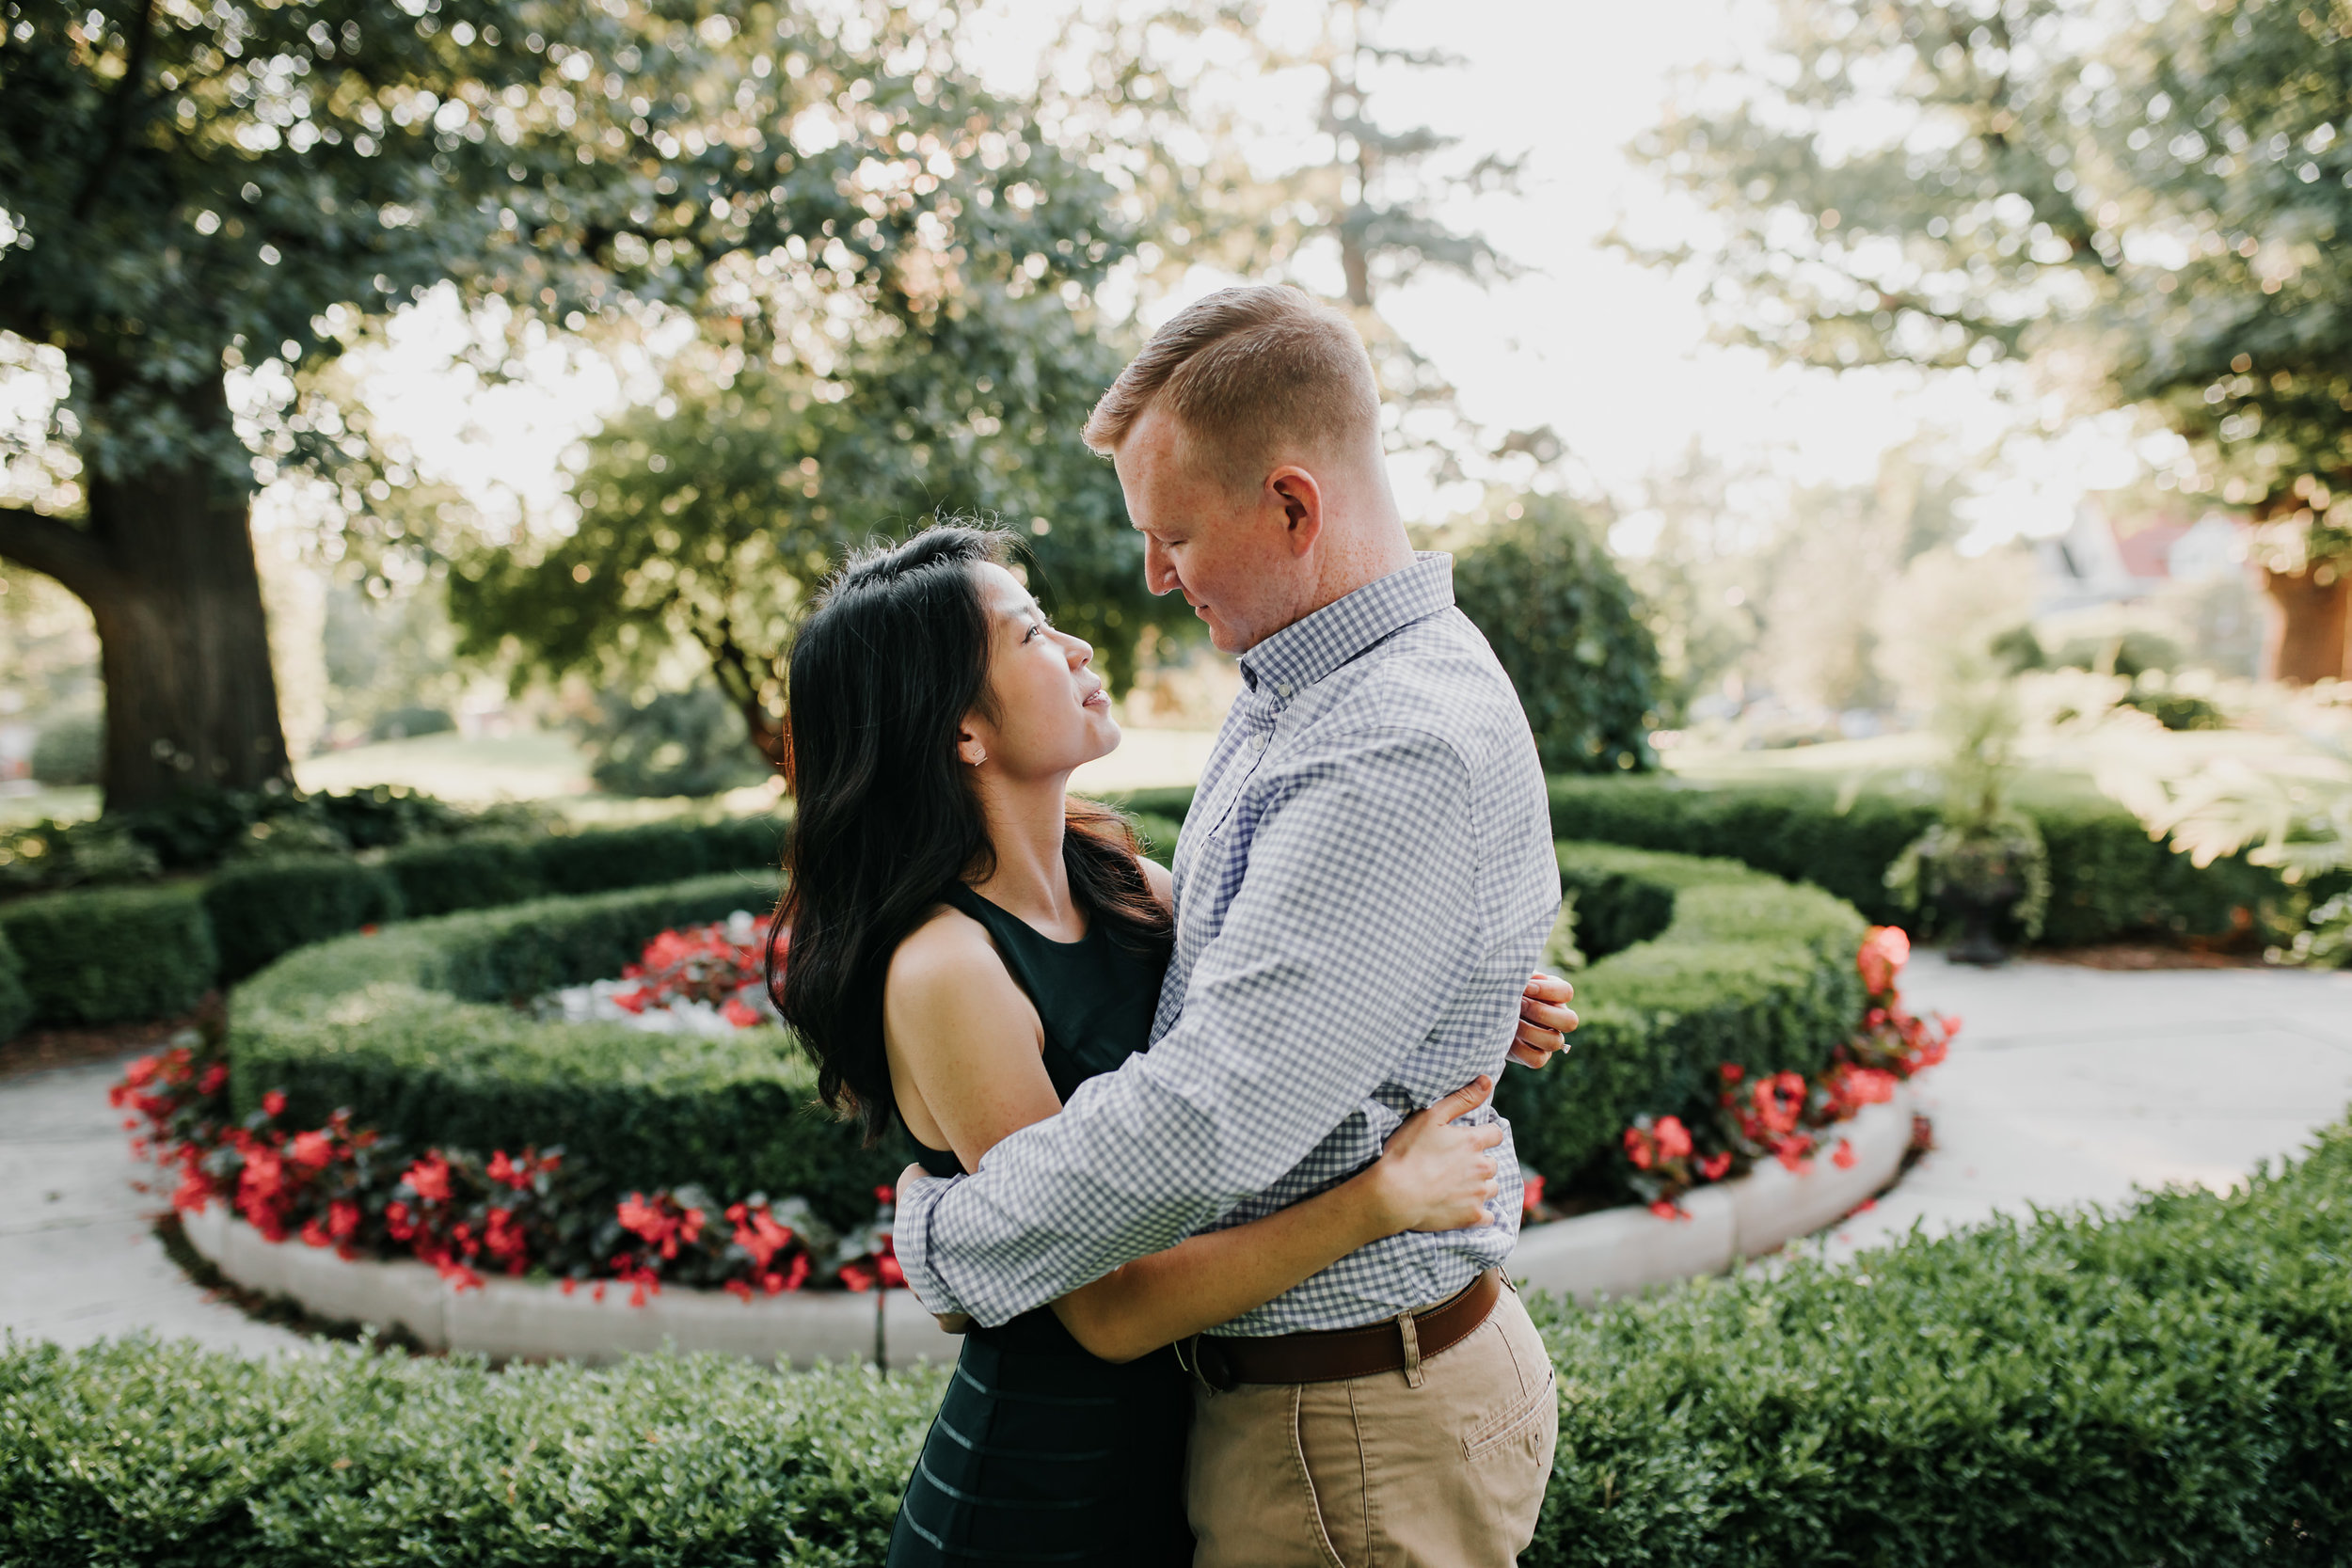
882 674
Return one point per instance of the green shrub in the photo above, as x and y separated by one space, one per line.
263 908
412 1029
138 1452
70 748
2168 1385
16 1002
678 743
406 723
607 858
1568 631
108 957
1707 962
49 856
2165 1386
440 877
2108 878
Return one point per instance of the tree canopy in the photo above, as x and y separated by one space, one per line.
888 266
1566 626
2148 206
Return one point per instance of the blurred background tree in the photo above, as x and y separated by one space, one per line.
1531 574
204 211
2147 208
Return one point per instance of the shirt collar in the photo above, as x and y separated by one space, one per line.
1312 647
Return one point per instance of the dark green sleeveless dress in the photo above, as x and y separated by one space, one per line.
1042 1453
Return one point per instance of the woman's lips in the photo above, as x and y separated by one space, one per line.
1097 698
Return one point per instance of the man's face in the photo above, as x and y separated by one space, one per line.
1228 553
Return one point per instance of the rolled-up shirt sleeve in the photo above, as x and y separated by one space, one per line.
1353 922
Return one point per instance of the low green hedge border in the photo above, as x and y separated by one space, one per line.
16 1002
2167 1385
412 1030
254 912
1699 962
113 955
2108 878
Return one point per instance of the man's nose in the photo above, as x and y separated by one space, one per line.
1159 573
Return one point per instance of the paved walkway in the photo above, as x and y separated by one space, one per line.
78 1258
2067 1085
2070 1085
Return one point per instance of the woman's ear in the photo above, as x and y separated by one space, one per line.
970 748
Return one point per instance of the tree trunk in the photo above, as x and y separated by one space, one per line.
164 562
2312 641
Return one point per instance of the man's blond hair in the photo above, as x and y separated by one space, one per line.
1248 371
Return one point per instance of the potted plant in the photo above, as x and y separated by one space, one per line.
1984 862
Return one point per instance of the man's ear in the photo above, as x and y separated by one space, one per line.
1301 499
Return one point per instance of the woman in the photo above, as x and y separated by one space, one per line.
968 946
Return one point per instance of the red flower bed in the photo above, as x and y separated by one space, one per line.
533 1212
699 963
1785 1116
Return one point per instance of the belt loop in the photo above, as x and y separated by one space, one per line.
1410 1333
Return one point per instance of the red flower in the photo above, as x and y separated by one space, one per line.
1732 1073
1666 1211
274 1104
1843 1158
429 1178
1673 1139
1637 1149
397 1223
515 1174
737 1289
311 1151
735 1012
858 1276
1532 1196
215 1080
1884 951
342 1219
315 1233
1713 1166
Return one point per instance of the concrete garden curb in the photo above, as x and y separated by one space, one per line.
1615 1252
513 1318
1621 1251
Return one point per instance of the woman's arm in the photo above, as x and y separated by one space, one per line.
1433 1176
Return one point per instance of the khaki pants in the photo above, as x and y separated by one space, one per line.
1374 1472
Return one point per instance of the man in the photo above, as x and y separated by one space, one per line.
1362 885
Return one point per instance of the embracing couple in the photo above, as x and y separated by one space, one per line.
1207 1166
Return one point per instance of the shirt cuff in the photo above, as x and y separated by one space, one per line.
911 1241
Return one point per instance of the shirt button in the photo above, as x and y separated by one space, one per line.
1283 689
1257 743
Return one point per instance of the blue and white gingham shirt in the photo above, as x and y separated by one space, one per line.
1362 887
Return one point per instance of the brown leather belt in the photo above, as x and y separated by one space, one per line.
1332 1355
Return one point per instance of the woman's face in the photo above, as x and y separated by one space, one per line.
1052 712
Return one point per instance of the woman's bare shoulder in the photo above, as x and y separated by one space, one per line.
1156 878
946 972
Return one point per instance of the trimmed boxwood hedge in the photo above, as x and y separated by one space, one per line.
264 909
2108 878
256 910
112 956
2167 1385
413 1030
16 1002
1699 962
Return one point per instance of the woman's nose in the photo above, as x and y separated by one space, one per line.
1081 652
